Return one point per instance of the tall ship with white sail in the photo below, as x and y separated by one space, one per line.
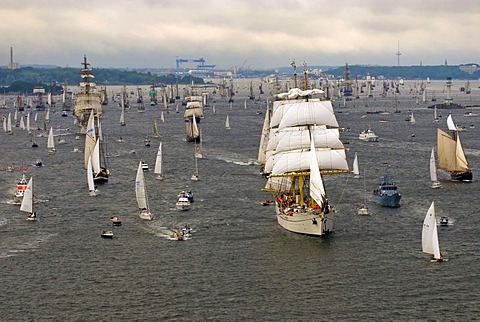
192 115
87 98
303 145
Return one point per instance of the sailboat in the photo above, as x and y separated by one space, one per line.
122 116
158 171
9 124
156 134
195 176
356 170
87 99
51 142
162 117
412 119
262 149
227 123
450 153
435 115
141 195
433 171
92 190
304 139
193 132
363 210
27 201
430 235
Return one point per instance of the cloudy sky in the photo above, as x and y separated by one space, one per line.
250 33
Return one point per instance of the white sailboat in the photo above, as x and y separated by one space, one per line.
158 171
356 170
141 194
162 117
430 243
156 134
5 124
9 123
227 123
47 116
412 119
28 123
435 115
363 210
122 115
92 190
51 142
195 176
27 201
22 123
433 171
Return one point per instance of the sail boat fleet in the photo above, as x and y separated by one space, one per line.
295 170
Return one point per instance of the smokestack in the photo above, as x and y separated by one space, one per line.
11 56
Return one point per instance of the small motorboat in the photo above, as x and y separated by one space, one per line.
64 113
267 202
186 231
145 166
107 234
146 142
116 221
177 235
10 168
368 136
32 216
444 221
183 203
38 163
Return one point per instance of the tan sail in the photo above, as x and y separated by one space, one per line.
450 153
461 159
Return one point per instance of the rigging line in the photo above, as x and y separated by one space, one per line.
341 195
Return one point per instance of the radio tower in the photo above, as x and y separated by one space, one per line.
398 54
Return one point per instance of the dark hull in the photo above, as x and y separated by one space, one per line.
462 176
101 177
387 201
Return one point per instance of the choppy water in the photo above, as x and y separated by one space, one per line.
239 264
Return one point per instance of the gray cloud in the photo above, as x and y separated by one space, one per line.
149 33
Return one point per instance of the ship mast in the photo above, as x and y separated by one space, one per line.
294 73
305 80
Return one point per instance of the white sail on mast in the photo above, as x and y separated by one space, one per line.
429 234
262 150
22 123
356 170
95 157
50 140
27 201
122 115
90 182
433 170
140 191
158 163
90 138
317 190
227 123
28 122
450 124
9 123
